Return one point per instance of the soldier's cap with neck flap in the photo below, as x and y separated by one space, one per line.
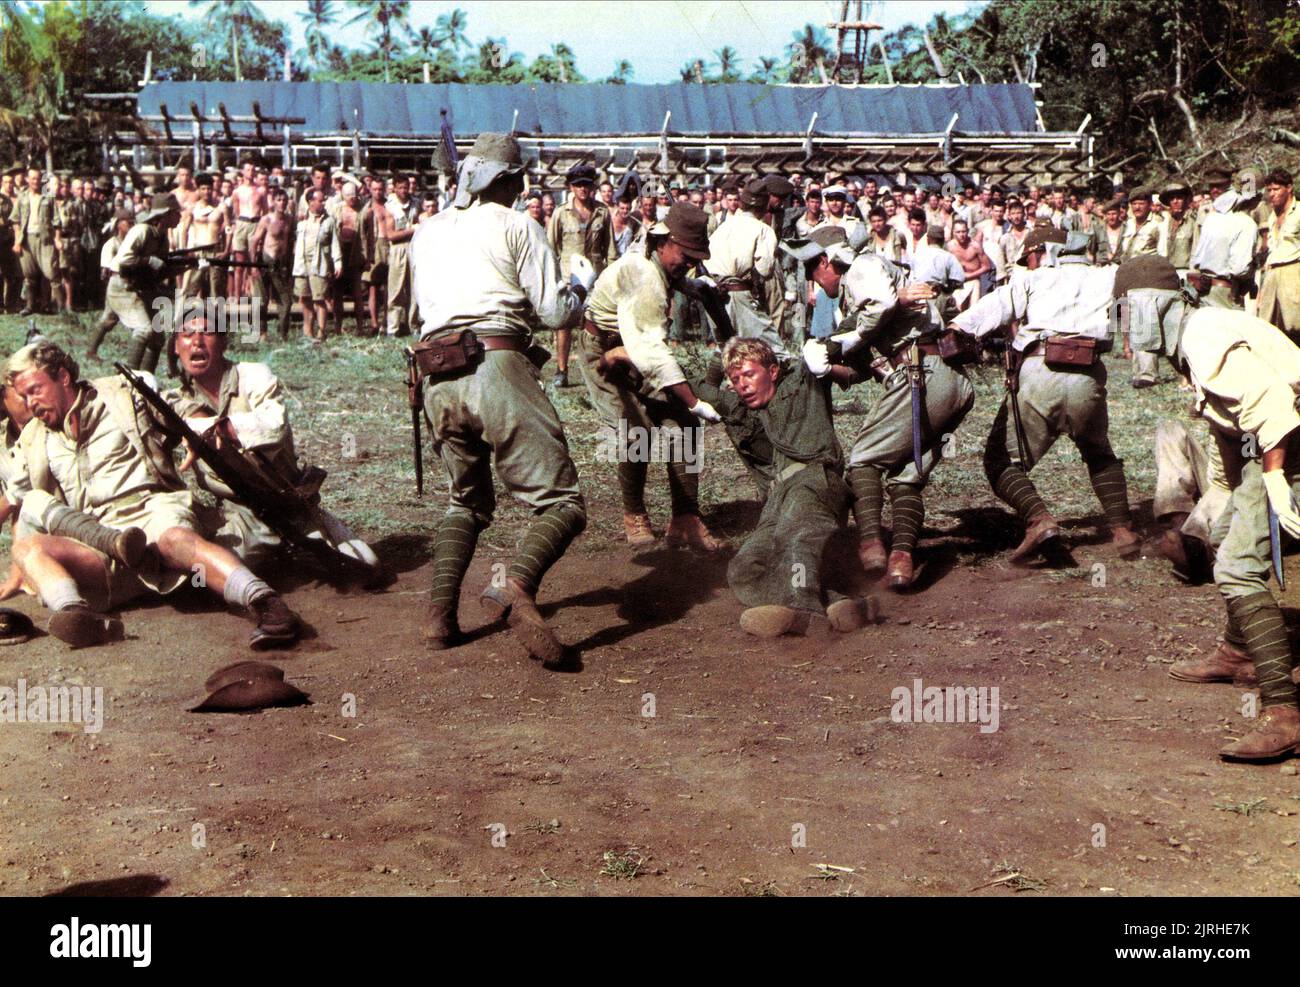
492 156
829 240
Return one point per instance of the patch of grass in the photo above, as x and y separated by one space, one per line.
1247 808
547 826
347 403
546 881
622 864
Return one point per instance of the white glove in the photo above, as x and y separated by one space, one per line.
704 410
816 357
849 341
791 297
1282 501
581 271
155 263
707 281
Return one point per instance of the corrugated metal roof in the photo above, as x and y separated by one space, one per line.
549 109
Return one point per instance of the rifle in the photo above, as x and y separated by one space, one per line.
413 388
256 483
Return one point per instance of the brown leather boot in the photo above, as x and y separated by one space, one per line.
440 629
638 530
1041 530
853 614
873 556
1226 664
901 573
1126 542
772 620
688 531
519 608
1276 733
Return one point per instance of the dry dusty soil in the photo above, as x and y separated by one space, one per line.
681 758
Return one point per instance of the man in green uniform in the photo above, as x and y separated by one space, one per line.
780 573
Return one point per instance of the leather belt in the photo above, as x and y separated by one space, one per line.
514 344
899 357
605 337
1284 263
249 219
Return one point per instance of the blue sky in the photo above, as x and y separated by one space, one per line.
656 36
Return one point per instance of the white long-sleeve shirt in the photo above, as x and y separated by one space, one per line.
488 268
1072 298
1246 374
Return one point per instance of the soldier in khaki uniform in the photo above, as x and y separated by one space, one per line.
396 227
1223 263
876 302
108 319
743 261
33 223
580 228
1142 233
11 275
242 403
645 402
1178 234
1279 294
1246 375
139 292
91 447
483 266
1070 298
317 261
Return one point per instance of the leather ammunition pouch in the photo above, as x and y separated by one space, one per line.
443 357
1069 352
958 349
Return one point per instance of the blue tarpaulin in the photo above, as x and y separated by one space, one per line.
553 109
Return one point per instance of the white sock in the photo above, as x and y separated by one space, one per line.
62 594
243 587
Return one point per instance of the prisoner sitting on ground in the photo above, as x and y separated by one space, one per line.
780 571
242 404
91 447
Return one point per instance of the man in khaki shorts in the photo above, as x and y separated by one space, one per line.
91 447
317 262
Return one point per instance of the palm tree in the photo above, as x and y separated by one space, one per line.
564 58
320 14
451 29
622 73
427 41
810 46
766 69
233 14
382 17
727 57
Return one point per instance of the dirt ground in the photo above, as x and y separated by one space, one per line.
475 771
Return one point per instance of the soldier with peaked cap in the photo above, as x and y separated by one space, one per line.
743 261
876 302
485 268
1142 234
139 293
647 394
581 227
1069 302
